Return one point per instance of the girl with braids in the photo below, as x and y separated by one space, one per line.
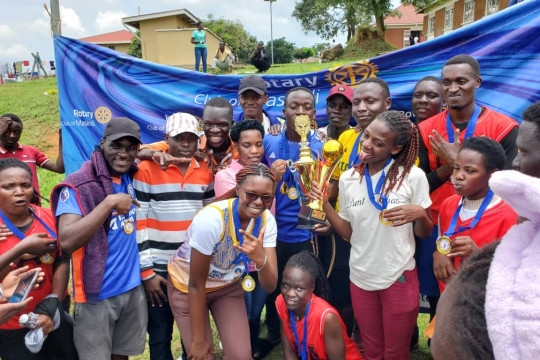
310 327
206 272
384 202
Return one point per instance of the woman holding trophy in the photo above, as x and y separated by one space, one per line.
384 202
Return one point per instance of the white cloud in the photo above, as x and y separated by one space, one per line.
14 51
40 25
6 32
109 20
72 26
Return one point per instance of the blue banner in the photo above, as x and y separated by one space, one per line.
96 84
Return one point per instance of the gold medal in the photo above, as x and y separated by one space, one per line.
292 193
383 220
444 245
284 188
46 259
248 283
128 227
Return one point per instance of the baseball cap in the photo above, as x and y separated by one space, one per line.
122 127
252 82
179 123
344 90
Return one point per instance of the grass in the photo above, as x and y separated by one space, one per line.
40 115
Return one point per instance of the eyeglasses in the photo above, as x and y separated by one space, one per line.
266 199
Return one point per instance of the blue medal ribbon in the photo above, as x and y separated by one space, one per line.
15 230
452 227
470 126
285 155
369 184
239 237
354 157
302 348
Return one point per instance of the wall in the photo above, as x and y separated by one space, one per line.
394 37
439 22
459 7
150 47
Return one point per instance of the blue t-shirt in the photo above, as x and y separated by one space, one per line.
122 269
278 147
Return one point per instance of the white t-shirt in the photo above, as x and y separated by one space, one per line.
380 253
266 123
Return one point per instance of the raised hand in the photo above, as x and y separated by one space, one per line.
253 247
443 149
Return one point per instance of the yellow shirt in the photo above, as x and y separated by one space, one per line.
347 139
222 56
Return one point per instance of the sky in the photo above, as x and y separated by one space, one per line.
25 25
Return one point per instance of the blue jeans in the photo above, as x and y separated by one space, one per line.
200 52
160 329
255 301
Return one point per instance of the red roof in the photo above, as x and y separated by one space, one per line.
121 36
408 16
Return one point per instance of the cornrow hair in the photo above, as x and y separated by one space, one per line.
406 136
310 263
13 117
299 88
250 170
465 59
9 163
245 125
491 151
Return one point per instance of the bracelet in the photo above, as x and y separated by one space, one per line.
5 298
264 264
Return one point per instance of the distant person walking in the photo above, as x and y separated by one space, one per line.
199 39
259 58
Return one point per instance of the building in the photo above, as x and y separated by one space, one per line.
401 30
166 37
117 40
443 17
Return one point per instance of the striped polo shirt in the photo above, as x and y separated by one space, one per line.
169 201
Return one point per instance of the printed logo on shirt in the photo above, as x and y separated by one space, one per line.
272 156
64 194
130 190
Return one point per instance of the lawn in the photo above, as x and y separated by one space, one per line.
36 102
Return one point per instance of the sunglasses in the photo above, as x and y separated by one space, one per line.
266 199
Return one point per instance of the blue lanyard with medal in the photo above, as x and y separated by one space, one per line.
470 126
46 258
354 157
444 243
371 193
293 193
302 348
248 283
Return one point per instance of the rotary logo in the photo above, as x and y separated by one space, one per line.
103 114
351 74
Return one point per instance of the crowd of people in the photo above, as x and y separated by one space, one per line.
205 222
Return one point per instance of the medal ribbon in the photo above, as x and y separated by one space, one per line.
369 184
18 233
237 238
354 157
284 154
452 227
302 348
470 126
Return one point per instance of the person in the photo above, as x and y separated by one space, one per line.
259 58
215 146
11 128
385 197
95 208
527 159
223 59
9 285
427 99
206 272
168 202
198 37
278 150
338 111
252 95
32 223
474 216
310 327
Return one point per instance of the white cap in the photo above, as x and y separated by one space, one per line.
179 123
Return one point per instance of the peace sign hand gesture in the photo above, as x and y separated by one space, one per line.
253 247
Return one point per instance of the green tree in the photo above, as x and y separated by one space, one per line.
320 47
134 48
283 51
303 53
234 35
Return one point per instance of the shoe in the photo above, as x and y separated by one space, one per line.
265 347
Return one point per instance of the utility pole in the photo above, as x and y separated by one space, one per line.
271 31
56 26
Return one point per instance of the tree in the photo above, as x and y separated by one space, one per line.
283 51
303 53
134 48
234 35
320 47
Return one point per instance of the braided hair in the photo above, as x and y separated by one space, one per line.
9 163
310 263
406 136
250 170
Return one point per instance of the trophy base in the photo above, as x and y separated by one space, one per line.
308 218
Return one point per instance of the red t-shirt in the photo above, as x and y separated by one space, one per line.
490 123
46 286
315 343
492 226
31 156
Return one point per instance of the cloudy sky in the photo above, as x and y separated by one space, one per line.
25 25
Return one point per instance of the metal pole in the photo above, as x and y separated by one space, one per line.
271 33
55 17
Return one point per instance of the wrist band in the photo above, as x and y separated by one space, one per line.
264 264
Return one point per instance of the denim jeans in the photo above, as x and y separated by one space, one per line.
255 301
160 329
200 52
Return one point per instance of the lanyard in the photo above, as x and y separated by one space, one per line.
18 233
470 126
284 155
302 349
237 238
354 157
452 228
369 184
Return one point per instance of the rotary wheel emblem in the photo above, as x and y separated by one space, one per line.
351 74
103 114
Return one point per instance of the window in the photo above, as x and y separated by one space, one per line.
431 25
449 19
492 6
111 47
468 11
